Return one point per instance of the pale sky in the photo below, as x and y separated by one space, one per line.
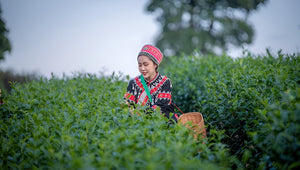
67 36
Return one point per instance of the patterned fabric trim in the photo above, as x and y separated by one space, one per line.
164 95
139 83
140 97
150 56
154 106
159 84
129 96
153 78
145 101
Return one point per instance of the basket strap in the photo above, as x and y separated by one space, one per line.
178 108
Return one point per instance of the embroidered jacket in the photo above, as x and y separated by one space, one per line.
160 89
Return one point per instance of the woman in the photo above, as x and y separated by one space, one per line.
159 86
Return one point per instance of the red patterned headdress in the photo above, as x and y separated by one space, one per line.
152 52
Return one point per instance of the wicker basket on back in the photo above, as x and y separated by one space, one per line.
197 123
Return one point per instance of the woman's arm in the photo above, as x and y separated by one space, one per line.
164 99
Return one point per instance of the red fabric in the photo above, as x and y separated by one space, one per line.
160 90
155 52
129 96
154 106
176 115
145 101
159 84
164 95
139 83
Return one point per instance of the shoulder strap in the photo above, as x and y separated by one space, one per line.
146 88
177 107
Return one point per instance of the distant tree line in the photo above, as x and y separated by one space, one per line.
207 26
4 41
8 76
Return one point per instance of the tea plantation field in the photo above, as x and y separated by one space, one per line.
251 106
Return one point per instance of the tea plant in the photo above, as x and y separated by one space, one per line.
279 138
250 106
81 122
231 94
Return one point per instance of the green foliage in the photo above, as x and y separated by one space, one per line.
4 42
279 138
250 106
206 25
235 94
81 122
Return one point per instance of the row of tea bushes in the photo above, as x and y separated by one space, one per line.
237 96
81 122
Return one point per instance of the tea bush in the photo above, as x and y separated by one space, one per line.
234 95
279 138
250 106
80 122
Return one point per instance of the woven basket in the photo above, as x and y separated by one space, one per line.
197 123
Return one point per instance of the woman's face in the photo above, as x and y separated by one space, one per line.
147 67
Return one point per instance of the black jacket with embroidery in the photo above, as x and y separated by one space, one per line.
160 89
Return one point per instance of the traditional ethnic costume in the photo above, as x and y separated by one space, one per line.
160 87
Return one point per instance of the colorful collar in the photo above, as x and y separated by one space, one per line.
155 77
